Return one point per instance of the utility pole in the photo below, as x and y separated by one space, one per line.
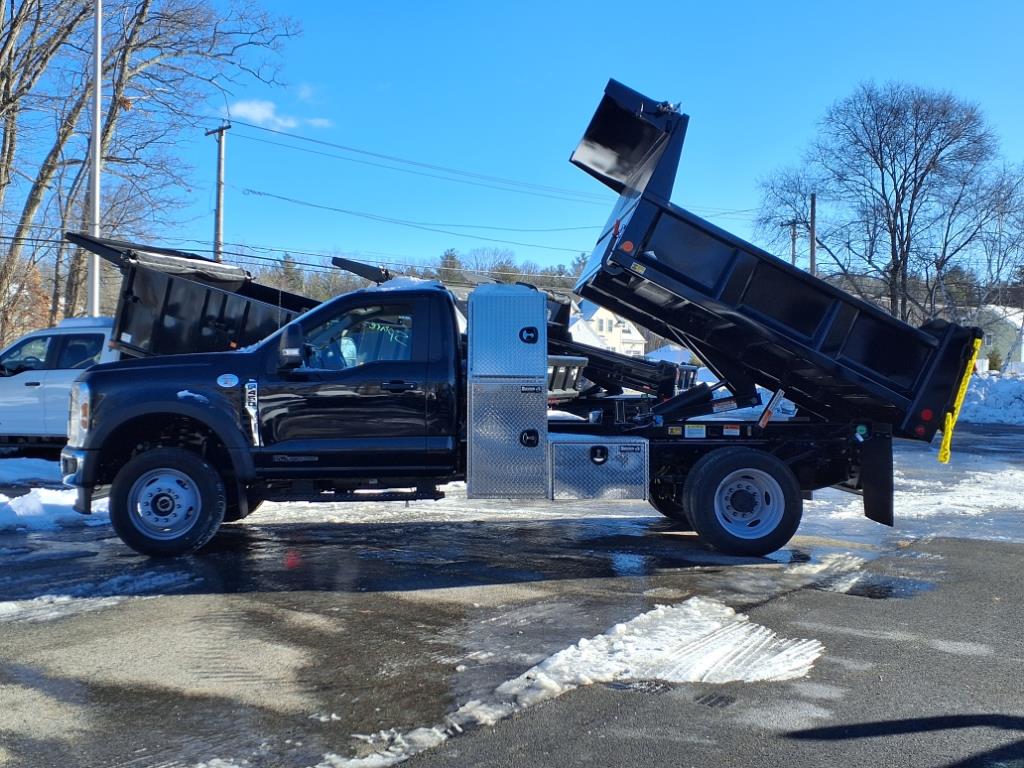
814 234
218 223
792 239
93 289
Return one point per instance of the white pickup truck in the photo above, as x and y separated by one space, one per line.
36 373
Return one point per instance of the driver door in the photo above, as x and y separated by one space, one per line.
358 403
21 385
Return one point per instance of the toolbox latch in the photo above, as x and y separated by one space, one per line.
530 438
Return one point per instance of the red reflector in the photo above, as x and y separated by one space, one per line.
919 430
926 414
627 246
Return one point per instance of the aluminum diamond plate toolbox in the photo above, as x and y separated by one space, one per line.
595 467
508 331
508 439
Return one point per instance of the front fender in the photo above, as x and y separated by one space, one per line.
217 413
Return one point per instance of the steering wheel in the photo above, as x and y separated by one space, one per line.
30 362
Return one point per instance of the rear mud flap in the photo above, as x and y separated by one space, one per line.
876 478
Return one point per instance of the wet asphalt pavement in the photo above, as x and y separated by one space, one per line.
285 642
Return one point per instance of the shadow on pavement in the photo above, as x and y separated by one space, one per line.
1009 756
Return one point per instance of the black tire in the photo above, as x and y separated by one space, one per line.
752 489
178 481
667 499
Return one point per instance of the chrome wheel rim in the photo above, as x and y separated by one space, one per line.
749 504
164 504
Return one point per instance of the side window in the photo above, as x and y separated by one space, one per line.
28 355
80 350
359 336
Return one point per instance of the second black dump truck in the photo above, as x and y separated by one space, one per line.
390 392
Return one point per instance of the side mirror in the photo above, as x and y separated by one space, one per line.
290 350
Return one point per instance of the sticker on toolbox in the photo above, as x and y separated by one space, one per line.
695 430
675 431
730 430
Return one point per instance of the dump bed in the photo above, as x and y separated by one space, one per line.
753 318
175 302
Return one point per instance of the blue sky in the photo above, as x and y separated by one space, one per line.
506 89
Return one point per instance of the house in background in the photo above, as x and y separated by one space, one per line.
616 333
580 332
1002 327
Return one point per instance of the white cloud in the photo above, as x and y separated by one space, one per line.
304 92
264 113
261 112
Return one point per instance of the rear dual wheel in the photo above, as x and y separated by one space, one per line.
743 501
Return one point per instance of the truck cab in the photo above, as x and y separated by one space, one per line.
36 373
359 394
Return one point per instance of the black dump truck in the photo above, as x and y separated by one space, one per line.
238 394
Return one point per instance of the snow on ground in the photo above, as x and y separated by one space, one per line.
700 640
994 398
47 509
29 471
93 595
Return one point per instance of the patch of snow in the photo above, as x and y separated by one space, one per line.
700 640
404 283
29 471
556 415
978 493
670 353
47 509
187 394
325 718
91 596
994 398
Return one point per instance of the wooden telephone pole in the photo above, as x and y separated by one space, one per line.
218 223
792 239
814 234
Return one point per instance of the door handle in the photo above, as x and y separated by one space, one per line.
397 386
33 383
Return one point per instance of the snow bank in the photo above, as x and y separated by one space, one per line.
47 509
994 398
700 640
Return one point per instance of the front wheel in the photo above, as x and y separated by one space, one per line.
742 501
167 502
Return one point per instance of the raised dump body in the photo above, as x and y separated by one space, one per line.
753 318
174 302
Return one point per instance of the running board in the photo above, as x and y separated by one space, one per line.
420 494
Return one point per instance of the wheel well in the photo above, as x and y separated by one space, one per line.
157 430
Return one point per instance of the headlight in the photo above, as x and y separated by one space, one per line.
78 416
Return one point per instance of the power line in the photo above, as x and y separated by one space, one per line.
471 182
404 222
431 166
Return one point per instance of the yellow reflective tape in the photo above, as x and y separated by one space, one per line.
952 416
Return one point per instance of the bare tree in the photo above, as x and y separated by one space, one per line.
908 186
164 59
